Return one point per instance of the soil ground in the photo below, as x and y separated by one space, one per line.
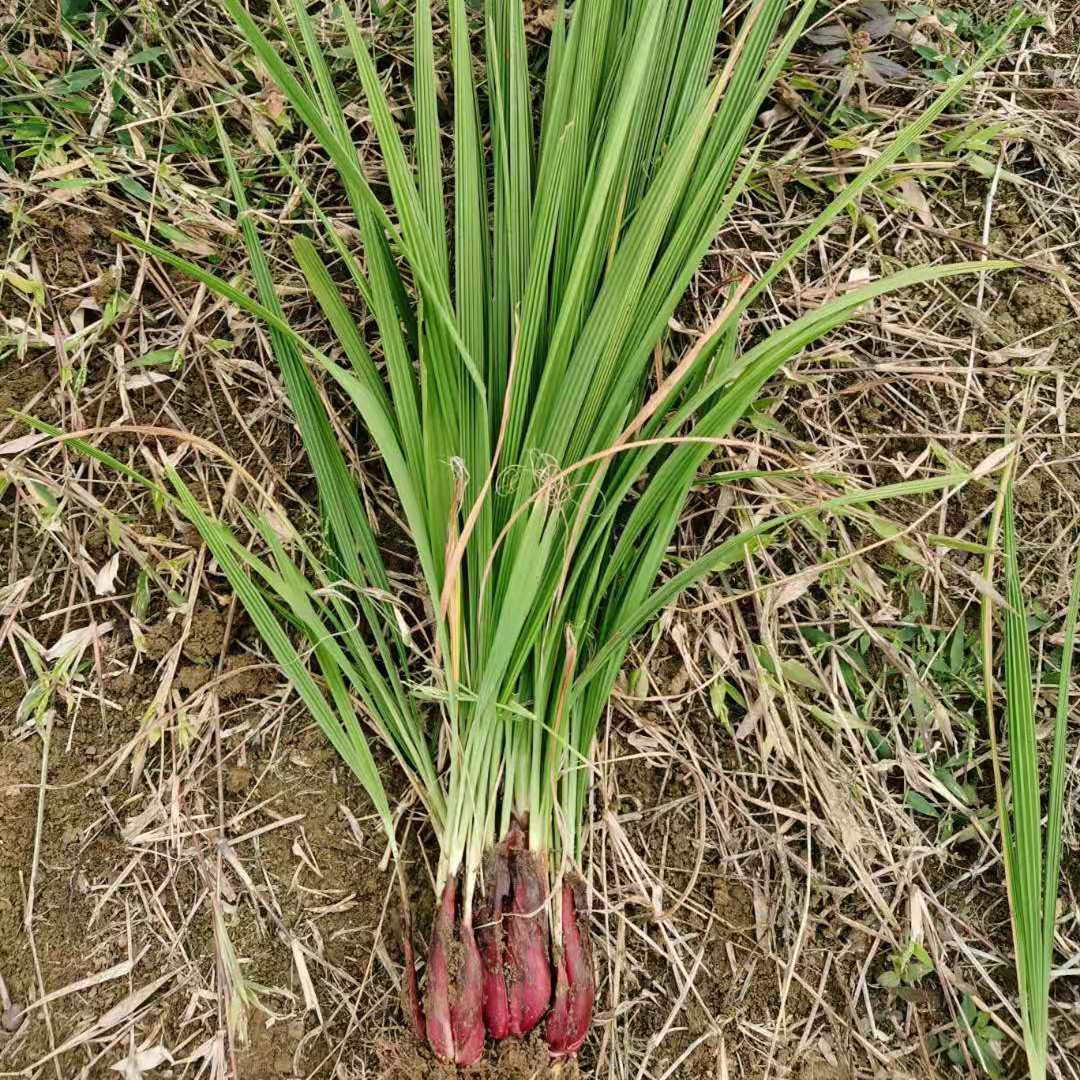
793 781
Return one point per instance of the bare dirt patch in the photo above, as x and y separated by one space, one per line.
119 883
249 875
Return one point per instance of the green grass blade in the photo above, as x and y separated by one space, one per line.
337 314
1056 797
350 530
428 135
731 550
343 731
1025 786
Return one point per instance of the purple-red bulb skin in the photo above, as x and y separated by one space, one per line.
467 1001
575 982
454 1002
504 977
437 993
528 946
491 938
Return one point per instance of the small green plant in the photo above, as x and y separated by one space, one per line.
55 670
957 30
909 966
1031 851
977 1042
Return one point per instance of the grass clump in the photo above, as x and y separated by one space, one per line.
1031 849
